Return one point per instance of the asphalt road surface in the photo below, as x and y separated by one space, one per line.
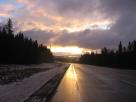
85 83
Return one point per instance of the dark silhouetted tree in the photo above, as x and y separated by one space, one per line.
120 48
125 57
15 48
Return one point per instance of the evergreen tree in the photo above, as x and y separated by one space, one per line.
9 27
120 48
125 57
19 49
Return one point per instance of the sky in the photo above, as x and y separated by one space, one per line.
73 24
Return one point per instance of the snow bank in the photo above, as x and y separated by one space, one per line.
19 91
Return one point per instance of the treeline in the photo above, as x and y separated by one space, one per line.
17 49
123 57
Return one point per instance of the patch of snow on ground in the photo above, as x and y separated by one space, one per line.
19 91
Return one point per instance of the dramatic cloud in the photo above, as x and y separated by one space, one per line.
87 39
124 10
83 23
39 35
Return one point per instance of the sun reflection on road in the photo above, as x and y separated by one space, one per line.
69 87
71 73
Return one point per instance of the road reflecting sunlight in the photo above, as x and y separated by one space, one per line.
68 90
71 73
86 83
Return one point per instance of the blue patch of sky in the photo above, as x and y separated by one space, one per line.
13 2
18 5
7 1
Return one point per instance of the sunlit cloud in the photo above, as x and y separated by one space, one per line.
6 10
47 13
33 14
88 24
4 14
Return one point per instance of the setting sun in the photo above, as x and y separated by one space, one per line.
70 50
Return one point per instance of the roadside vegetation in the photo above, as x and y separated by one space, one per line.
123 57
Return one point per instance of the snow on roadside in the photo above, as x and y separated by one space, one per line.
18 92
20 67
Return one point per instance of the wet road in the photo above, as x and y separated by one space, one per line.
85 83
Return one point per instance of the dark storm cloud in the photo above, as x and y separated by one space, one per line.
40 36
70 8
48 13
88 39
73 7
123 29
125 11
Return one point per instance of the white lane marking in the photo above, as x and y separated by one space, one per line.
129 83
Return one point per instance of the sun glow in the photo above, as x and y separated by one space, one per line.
70 50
